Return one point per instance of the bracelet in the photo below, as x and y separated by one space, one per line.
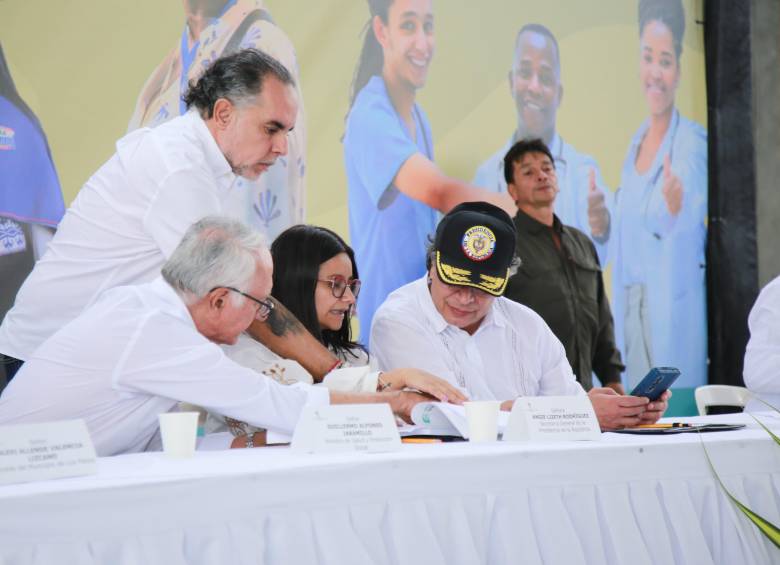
250 441
383 386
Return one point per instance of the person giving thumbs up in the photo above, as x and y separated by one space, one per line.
598 215
672 188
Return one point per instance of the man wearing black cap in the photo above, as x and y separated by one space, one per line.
455 323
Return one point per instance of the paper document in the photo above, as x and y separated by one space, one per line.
439 418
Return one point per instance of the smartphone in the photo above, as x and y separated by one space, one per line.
656 382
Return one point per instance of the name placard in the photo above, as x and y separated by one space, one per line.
369 428
37 452
552 418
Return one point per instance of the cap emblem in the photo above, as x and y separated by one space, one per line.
478 243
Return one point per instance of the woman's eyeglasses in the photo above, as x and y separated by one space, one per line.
338 286
266 306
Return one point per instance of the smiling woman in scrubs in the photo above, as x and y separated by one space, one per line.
394 187
659 293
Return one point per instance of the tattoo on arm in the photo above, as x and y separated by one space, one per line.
282 322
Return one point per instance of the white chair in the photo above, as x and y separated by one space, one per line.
720 395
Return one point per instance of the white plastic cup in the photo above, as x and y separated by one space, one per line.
482 418
179 432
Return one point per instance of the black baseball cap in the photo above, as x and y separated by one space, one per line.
474 246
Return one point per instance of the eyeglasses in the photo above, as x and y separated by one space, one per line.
266 306
338 286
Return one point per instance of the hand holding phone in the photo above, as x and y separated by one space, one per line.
656 382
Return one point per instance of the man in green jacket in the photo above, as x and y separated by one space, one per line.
560 276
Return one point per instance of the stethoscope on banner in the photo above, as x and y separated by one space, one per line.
653 179
659 171
421 131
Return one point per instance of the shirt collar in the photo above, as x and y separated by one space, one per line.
215 159
425 303
640 134
173 303
526 224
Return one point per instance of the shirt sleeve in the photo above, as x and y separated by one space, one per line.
762 356
163 358
557 378
183 198
376 146
352 379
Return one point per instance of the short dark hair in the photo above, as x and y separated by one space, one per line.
541 30
298 253
518 150
668 12
236 77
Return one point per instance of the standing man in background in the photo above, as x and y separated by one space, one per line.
535 85
560 276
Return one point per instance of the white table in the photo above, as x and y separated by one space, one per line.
625 499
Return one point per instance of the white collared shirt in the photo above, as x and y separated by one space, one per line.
762 356
513 352
133 355
125 222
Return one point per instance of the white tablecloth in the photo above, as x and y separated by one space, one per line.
626 499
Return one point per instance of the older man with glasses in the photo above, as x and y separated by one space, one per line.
139 350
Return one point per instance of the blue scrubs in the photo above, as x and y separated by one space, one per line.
29 188
665 253
389 231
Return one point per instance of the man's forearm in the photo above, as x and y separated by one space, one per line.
284 334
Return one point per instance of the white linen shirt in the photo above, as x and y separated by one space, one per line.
513 352
762 356
125 222
133 355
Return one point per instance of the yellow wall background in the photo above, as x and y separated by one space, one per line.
80 65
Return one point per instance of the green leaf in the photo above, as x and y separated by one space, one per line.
765 402
777 439
765 526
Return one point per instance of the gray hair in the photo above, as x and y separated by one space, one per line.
238 77
430 255
214 252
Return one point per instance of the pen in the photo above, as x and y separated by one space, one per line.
419 440
665 426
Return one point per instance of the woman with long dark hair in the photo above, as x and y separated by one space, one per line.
316 278
394 187
316 275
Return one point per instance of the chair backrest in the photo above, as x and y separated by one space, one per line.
720 395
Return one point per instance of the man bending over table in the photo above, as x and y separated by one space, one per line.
139 350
